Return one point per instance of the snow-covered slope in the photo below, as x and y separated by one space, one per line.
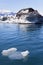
6 12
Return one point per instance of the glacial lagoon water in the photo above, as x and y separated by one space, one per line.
23 37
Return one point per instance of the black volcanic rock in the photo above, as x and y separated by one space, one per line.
4 18
30 15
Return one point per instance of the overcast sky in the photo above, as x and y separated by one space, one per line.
15 5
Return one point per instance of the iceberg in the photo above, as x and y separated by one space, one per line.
27 15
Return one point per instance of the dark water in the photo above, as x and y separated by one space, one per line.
23 37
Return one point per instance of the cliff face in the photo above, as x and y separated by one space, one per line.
29 14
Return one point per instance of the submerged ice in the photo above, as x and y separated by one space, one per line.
12 53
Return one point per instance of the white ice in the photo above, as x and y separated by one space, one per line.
12 53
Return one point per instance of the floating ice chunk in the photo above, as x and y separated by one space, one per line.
12 53
25 53
9 51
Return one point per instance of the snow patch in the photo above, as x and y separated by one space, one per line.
26 11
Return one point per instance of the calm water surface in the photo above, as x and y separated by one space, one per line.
23 37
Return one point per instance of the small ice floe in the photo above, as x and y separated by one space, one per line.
12 53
